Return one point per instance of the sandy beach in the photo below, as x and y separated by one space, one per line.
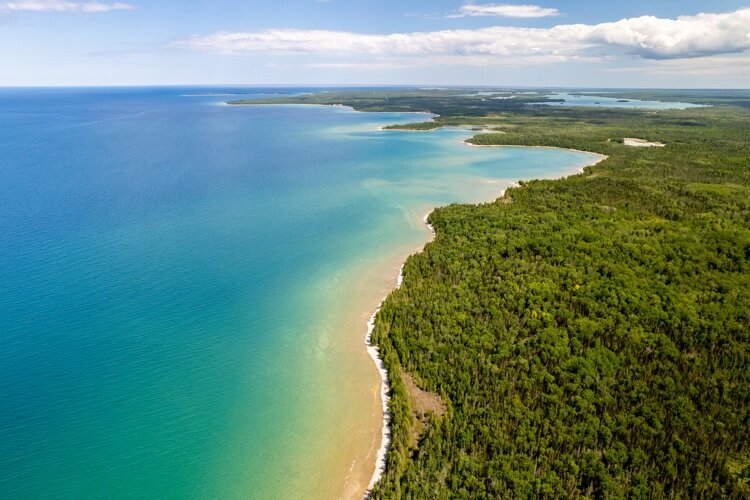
374 352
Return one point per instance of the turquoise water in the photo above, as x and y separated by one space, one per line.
613 102
573 99
170 267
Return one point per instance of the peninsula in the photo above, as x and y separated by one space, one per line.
582 336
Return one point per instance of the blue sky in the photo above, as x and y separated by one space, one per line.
551 43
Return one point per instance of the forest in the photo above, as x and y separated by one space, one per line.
589 336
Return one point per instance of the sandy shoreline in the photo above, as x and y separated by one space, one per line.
374 352
601 156
385 433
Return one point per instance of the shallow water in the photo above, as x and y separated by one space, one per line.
176 316
613 102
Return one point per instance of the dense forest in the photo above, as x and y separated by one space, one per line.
446 103
589 336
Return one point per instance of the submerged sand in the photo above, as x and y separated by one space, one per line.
365 291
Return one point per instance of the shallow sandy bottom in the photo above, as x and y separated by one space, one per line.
364 291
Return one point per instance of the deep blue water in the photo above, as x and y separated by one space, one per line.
167 265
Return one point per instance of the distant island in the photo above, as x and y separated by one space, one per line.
587 336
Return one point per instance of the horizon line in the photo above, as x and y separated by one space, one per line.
354 85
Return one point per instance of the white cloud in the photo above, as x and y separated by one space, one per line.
647 37
488 41
62 6
686 36
505 10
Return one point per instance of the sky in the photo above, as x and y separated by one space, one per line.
551 43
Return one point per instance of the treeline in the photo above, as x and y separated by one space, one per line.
444 103
590 336
421 126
